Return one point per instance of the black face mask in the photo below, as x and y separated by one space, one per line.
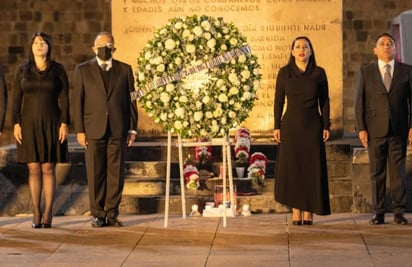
104 53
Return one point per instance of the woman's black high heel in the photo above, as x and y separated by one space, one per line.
36 221
297 222
47 223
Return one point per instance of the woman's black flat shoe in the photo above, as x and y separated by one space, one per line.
305 222
46 225
297 222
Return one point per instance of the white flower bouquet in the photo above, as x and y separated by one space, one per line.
197 77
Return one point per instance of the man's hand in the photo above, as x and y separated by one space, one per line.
130 138
82 139
363 137
276 135
326 135
63 132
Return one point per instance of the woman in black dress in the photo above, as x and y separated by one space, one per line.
40 115
301 130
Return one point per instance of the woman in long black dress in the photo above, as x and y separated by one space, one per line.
301 130
40 115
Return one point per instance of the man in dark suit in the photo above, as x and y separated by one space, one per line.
382 114
105 120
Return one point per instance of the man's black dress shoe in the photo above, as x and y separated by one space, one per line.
98 222
35 225
307 222
114 222
377 219
46 225
400 219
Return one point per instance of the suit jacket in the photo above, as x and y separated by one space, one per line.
3 98
375 108
96 107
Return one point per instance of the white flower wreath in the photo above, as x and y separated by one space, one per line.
197 77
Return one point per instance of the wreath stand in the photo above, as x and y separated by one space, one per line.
226 164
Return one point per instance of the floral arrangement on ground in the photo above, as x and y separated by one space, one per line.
197 77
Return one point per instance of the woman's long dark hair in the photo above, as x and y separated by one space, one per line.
45 37
312 60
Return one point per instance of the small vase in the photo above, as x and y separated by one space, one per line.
240 172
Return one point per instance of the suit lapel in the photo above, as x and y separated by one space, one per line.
114 75
396 75
378 77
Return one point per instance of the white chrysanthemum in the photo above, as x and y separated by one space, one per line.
233 41
180 112
198 115
223 120
178 125
241 59
198 104
178 25
220 83
217 113
233 91
163 116
170 87
190 48
164 97
223 98
183 99
197 30
186 33
247 95
141 76
206 99
205 25
170 44
160 68
211 43
156 60
147 55
245 74
215 128
233 79
178 61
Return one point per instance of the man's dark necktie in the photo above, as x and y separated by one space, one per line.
387 79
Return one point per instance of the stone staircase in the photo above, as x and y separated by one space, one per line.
145 181
144 190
